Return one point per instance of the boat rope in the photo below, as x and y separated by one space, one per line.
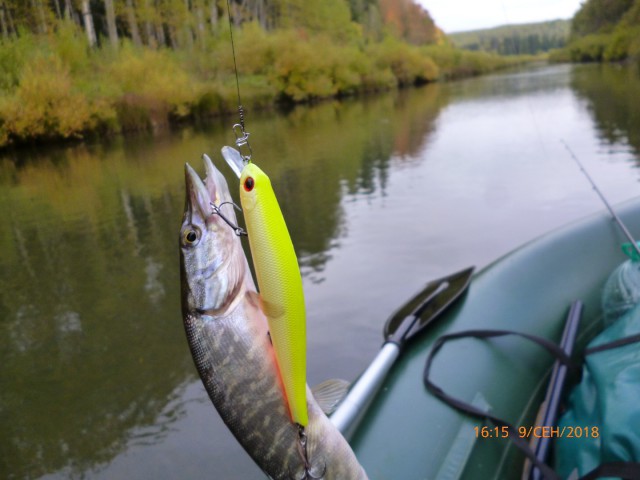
626 248
242 136
510 431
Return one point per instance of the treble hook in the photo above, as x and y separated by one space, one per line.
239 231
307 474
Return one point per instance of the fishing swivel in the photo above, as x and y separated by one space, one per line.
242 140
215 209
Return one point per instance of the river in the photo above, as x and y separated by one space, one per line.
381 194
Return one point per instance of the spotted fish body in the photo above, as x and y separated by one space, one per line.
279 282
228 336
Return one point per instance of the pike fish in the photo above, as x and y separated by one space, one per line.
228 335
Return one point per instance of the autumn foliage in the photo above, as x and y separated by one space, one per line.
66 71
410 22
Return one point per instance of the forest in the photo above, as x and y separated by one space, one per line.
604 31
522 39
75 68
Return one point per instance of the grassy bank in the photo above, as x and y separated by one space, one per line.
54 87
622 44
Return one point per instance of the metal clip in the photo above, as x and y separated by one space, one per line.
242 142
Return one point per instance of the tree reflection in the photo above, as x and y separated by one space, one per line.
611 93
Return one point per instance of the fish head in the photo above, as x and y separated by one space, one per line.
253 182
212 261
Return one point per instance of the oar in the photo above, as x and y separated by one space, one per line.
406 323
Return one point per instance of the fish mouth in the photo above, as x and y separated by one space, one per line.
200 194
203 195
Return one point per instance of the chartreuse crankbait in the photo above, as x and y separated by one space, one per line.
279 283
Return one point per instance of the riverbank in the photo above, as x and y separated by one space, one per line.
603 31
621 45
52 87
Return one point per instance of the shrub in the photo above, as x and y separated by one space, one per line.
13 56
589 49
408 65
152 74
69 44
560 55
46 104
299 71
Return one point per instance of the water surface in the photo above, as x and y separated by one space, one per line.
381 194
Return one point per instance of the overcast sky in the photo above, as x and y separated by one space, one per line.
460 15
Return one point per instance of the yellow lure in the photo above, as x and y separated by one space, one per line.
280 284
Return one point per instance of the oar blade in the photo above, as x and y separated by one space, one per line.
429 303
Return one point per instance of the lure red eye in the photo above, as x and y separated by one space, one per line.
249 183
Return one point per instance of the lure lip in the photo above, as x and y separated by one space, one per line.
233 159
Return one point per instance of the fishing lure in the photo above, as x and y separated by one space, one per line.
279 283
278 274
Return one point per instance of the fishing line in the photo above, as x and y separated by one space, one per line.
242 136
235 65
622 226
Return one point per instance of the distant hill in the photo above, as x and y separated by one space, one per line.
530 38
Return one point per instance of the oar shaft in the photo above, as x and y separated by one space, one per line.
352 408
604 200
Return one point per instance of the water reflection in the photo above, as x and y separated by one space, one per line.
611 95
519 82
88 351
93 354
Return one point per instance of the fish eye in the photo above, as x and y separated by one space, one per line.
249 183
190 237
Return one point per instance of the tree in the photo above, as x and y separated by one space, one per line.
3 23
111 23
328 16
69 12
58 10
38 11
597 15
88 23
409 21
133 23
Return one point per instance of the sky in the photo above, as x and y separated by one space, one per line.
460 15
